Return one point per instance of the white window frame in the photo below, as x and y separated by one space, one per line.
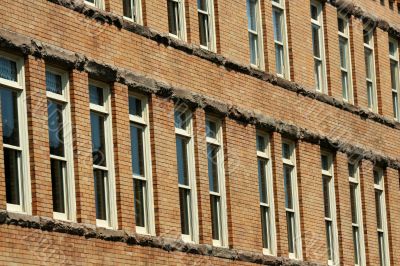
296 208
395 91
111 208
193 237
332 200
280 6
69 179
25 205
144 123
212 46
136 9
319 23
358 204
259 35
380 187
266 156
370 46
348 70
97 3
223 220
180 21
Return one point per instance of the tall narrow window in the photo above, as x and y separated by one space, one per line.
370 70
102 152
317 30
205 9
186 175
255 34
280 39
356 215
15 134
216 175
176 18
381 218
141 164
291 199
133 10
60 140
328 187
394 74
265 184
96 3
345 59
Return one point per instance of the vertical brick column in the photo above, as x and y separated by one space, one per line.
300 42
279 195
268 36
39 151
202 186
369 213
3 198
155 15
343 210
122 157
165 173
242 186
192 22
311 201
392 192
114 6
82 144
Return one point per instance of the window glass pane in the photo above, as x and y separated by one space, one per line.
352 170
316 40
265 222
57 183
100 194
262 180
343 52
327 206
394 74
395 105
367 37
181 120
137 151
135 106
98 139
286 151
392 48
329 239
12 171
253 42
287 171
356 245
279 57
53 83
261 143
173 17
9 116
204 29
139 187
215 219
8 69
277 19
345 85
381 243
212 153
318 74
378 206
184 197
202 5
291 231
353 202
182 158
325 162
211 129
370 93
368 63
127 8
314 12
377 178
252 14
96 95
341 25
56 131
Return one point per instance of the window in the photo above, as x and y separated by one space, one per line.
255 34
345 58
133 10
356 215
96 3
186 175
60 141
370 70
265 184
317 29
381 219
394 74
205 9
176 18
141 164
291 199
328 187
15 134
102 152
280 39
216 177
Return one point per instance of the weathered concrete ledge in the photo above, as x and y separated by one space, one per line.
98 70
132 239
348 6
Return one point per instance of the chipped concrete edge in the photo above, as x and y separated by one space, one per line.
132 239
99 70
348 6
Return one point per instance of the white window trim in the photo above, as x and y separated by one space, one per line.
260 39
346 36
194 220
69 182
24 178
144 122
97 3
370 46
286 67
211 26
136 10
223 242
111 206
181 23
298 255
395 58
266 155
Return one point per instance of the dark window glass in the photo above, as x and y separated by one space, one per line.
96 95
287 171
9 115
181 120
202 5
286 151
53 83
127 8
215 201
378 206
211 129
139 194
57 182
314 12
182 158
137 150
184 197
56 132
8 69
261 144
327 206
325 162
212 153
204 29
173 17
12 172
377 177
98 139
262 180
265 226
135 106
100 194
252 14
353 202
341 25
291 231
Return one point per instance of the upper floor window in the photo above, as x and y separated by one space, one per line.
370 69
317 29
205 9
15 134
255 33
280 39
394 75
345 58
96 3
133 10
176 18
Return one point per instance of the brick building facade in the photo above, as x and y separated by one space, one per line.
207 132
